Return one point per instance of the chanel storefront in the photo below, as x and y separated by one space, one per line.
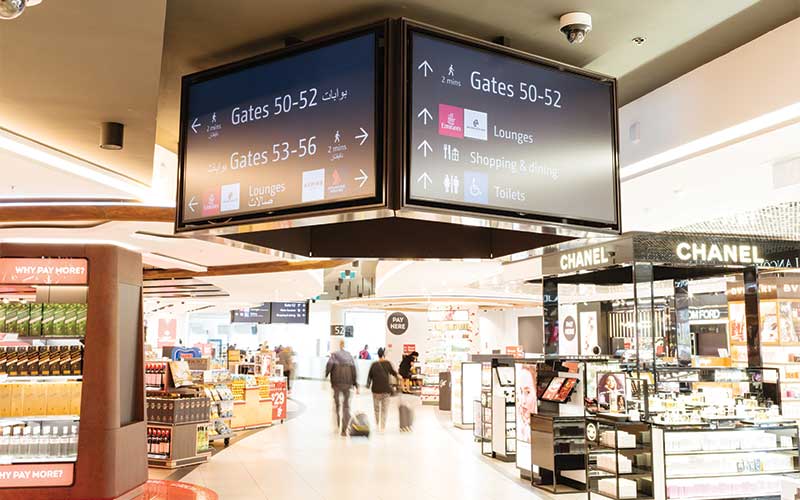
674 299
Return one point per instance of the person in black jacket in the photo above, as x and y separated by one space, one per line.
342 370
379 379
405 369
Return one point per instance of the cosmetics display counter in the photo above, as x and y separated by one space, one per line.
745 461
619 457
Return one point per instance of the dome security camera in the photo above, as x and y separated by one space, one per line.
575 26
11 9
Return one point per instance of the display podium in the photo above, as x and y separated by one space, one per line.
109 460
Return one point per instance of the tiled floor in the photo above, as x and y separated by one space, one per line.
303 459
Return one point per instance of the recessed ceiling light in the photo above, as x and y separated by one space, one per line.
639 40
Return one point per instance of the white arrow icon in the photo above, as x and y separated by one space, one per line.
425 179
363 178
363 136
195 124
425 67
192 204
425 147
426 115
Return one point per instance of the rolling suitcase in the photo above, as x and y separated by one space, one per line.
406 417
359 425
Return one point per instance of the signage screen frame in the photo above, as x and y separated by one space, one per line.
274 308
381 30
451 208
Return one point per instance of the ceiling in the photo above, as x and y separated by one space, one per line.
748 175
68 66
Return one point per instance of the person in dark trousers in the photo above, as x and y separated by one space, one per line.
379 381
405 369
286 359
342 370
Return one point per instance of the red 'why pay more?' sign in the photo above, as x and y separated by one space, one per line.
28 271
36 475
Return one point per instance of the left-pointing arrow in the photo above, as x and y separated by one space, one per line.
363 136
192 204
195 124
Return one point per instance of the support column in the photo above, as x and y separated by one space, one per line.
752 317
683 334
550 315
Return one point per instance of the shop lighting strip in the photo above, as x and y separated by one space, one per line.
744 130
56 159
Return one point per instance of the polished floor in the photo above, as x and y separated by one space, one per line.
303 459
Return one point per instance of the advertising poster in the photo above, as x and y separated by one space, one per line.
611 392
167 332
769 322
527 403
736 320
568 333
525 378
588 329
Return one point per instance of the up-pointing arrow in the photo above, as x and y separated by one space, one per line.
195 124
425 67
425 115
425 179
425 147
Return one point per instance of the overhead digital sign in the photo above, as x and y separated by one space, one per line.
259 314
284 133
502 133
289 312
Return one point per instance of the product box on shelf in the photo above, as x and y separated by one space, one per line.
178 410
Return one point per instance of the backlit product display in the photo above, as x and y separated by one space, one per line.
498 132
281 133
552 389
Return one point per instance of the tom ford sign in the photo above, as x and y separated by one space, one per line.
718 253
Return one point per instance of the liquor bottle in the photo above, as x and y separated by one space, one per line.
44 361
44 442
16 442
55 367
22 362
72 451
12 362
33 360
3 358
33 447
63 360
5 442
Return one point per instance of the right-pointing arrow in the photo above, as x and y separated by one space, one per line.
425 67
425 115
425 147
363 178
363 136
